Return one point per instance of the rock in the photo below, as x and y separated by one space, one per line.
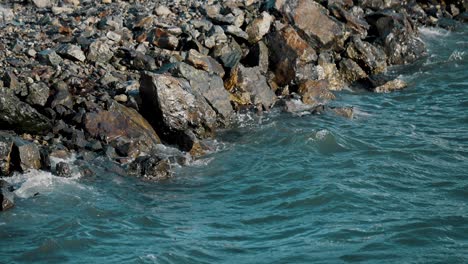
6 15
289 53
328 71
211 87
176 109
122 126
229 54
11 81
42 3
370 57
6 146
162 39
19 116
61 95
258 56
121 98
251 83
215 37
315 92
259 27
205 63
347 112
353 23
25 155
62 169
6 196
398 35
38 94
162 11
100 52
351 71
309 17
391 86
49 57
71 52
236 31
150 168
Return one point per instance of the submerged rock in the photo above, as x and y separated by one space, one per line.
6 196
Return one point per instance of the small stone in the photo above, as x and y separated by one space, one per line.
38 94
72 52
162 11
6 15
100 52
49 57
42 3
106 1
121 98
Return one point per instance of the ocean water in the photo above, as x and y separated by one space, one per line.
388 186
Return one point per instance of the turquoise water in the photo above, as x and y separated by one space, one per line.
389 186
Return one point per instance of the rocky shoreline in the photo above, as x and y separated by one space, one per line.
145 83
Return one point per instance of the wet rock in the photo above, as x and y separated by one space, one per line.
211 87
19 116
372 59
6 146
71 52
250 83
100 52
351 71
180 112
38 94
62 169
289 53
150 168
119 126
319 29
398 35
25 155
259 27
6 196
205 63
315 92
347 112
391 86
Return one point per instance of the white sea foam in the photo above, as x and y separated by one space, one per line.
456 55
433 32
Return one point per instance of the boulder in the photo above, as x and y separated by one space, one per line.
38 94
6 15
391 86
25 155
122 127
6 196
210 86
315 92
19 116
328 71
398 35
251 87
181 113
62 169
351 71
371 58
100 52
259 27
72 52
150 168
163 39
289 53
228 54
206 63
313 21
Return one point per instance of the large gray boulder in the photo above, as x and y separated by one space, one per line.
19 116
180 112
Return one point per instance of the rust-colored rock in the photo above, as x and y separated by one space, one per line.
315 92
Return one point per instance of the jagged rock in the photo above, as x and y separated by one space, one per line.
391 86
251 84
236 31
205 63
176 109
25 155
215 37
319 29
49 57
71 52
62 169
381 4
6 146
328 71
289 53
372 59
19 116
352 22
123 128
398 36
38 94
150 168
100 52
6 196
351 71
61 96
315 92
163 39
229 54
258 56
347 112
259 27
210 86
